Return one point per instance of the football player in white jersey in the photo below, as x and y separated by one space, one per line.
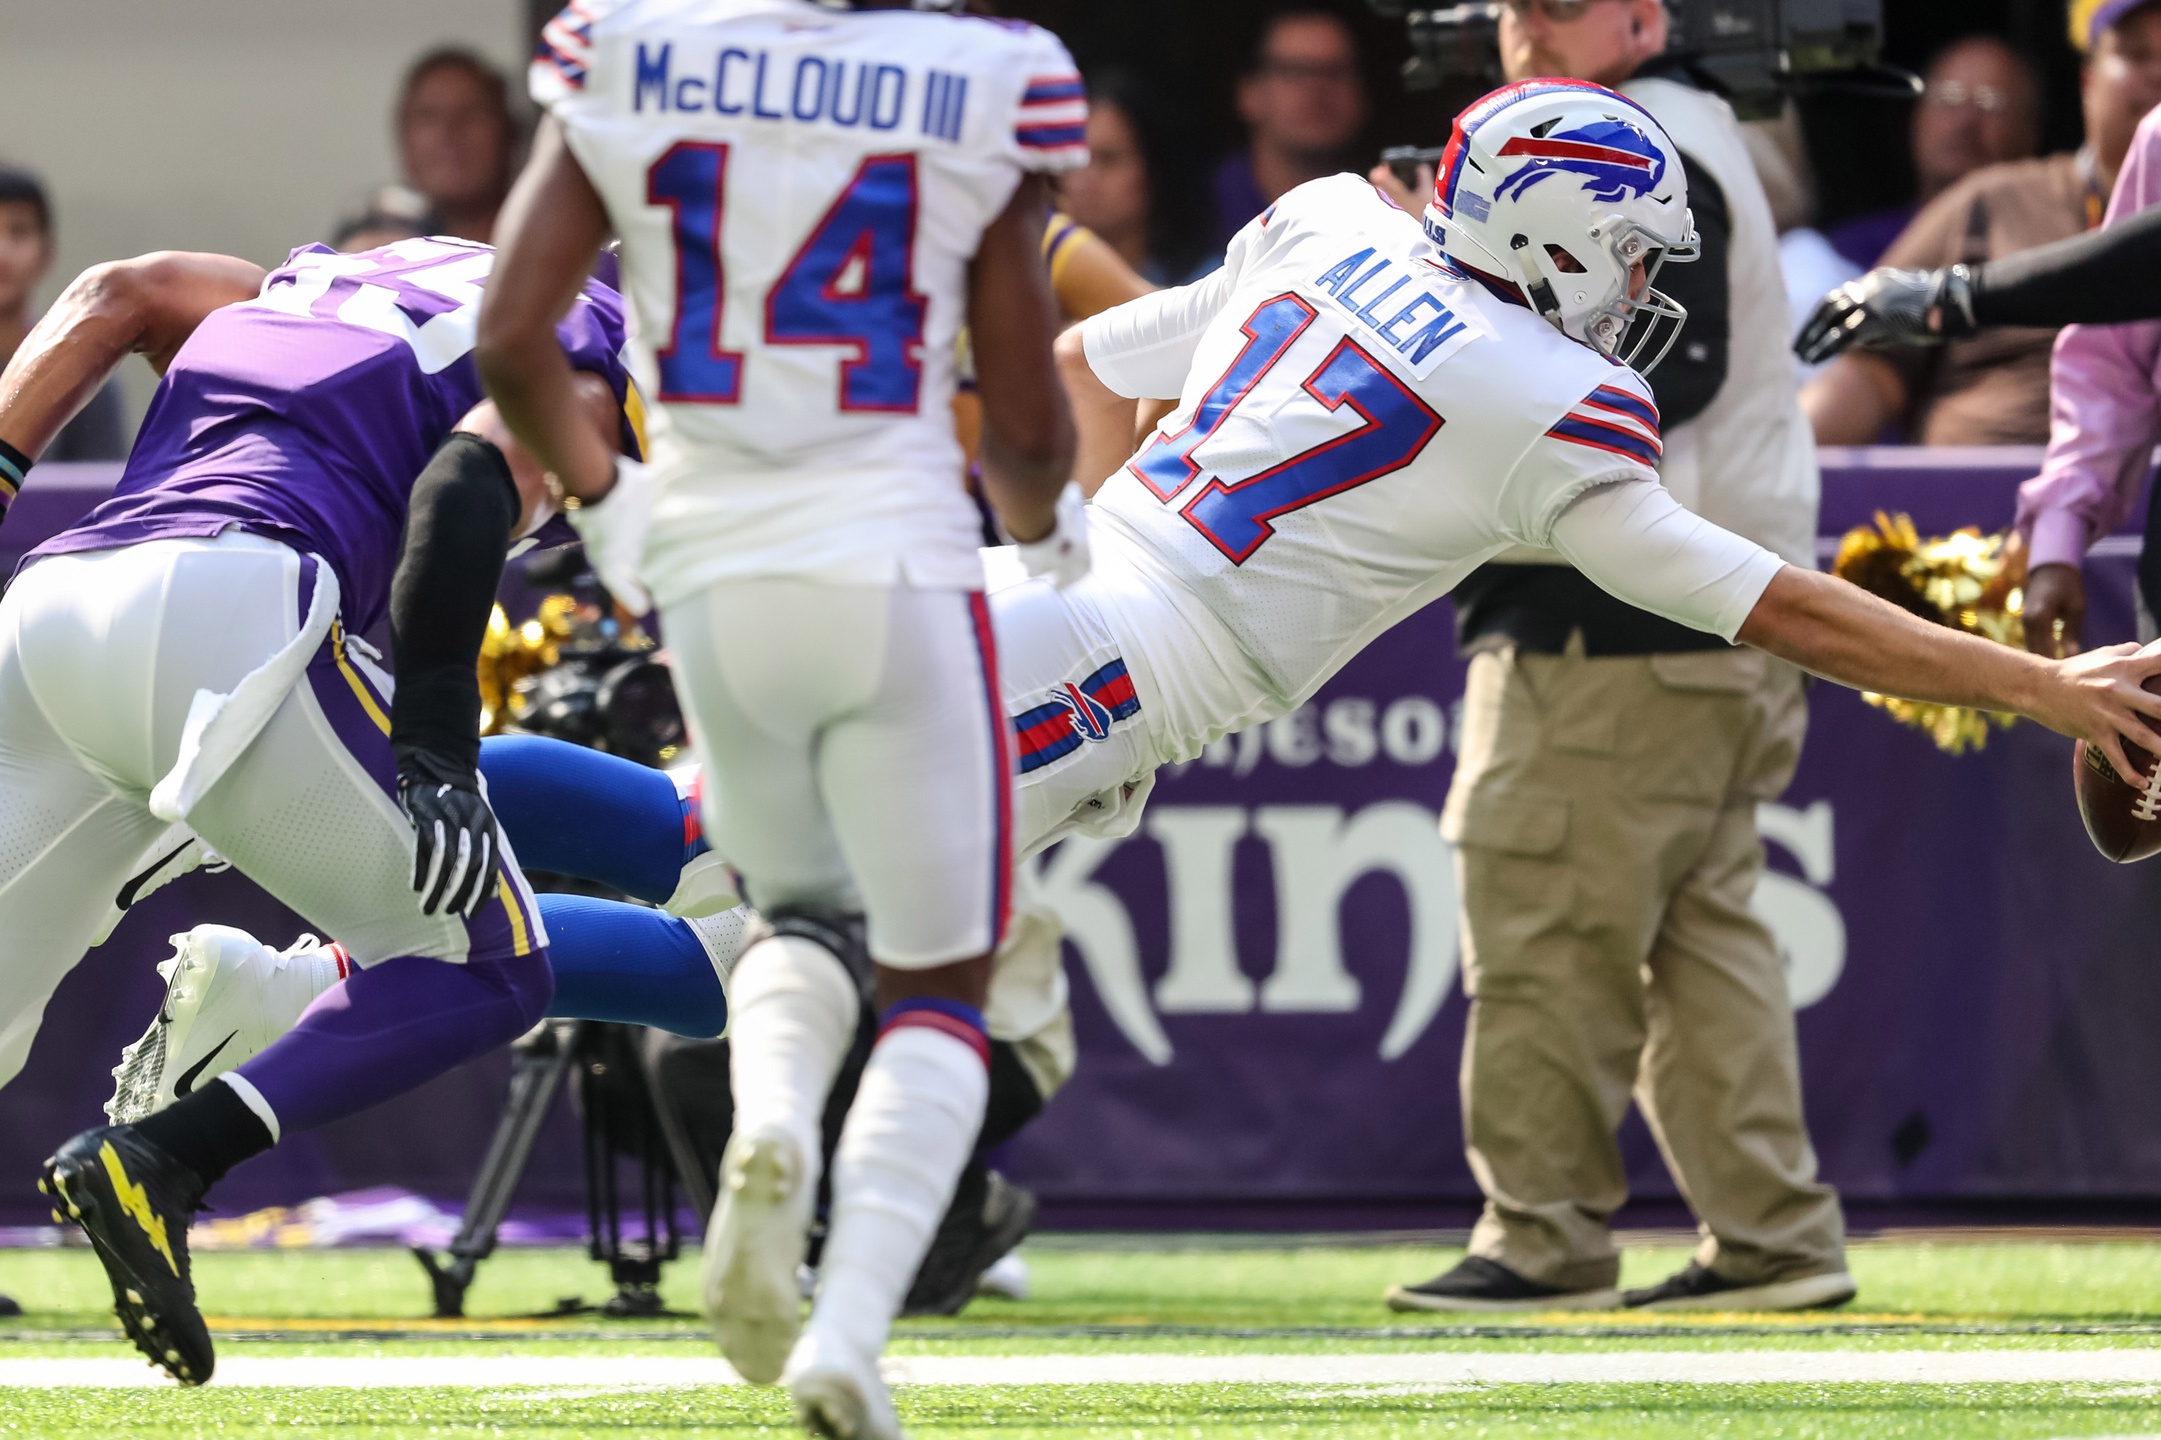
813 198
1369 407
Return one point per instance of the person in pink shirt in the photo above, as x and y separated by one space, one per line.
2104 417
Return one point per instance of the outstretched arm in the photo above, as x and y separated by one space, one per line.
1842 632
552 226
1636 541
147 306
2101 277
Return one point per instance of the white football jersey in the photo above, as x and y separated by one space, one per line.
1360 425
799 193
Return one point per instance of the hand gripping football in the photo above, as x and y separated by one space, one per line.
2124 824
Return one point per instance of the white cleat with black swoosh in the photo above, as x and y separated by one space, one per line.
227 997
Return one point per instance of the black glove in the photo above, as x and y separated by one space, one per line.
454 859
1890 307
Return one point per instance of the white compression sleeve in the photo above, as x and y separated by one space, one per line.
1634 540
1143 348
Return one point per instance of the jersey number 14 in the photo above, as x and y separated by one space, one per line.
1237 516
852 283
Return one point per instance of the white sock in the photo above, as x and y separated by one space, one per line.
722 936
911 1129
792 1012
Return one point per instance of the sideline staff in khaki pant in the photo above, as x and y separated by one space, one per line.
1604 804
1604 810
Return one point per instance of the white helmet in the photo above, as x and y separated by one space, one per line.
1562 187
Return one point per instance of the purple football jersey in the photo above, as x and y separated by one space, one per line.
305 414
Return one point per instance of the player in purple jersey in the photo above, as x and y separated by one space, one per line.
317 457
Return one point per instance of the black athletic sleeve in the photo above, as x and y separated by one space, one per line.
464 506
1689 378
2103 277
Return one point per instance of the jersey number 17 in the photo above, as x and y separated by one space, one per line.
1237 515
851 283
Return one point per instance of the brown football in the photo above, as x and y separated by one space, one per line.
2124 824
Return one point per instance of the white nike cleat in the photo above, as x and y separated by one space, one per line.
839 1393
754 1246
227 997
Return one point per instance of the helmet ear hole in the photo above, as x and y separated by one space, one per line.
1564 262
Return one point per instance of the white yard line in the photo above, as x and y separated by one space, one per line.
1673 1367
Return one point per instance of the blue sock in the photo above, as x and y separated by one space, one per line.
598 817
636 966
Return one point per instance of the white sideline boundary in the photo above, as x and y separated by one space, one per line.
579 1374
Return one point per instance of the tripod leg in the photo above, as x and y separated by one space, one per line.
537 1069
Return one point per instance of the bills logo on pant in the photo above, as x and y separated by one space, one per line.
1091 717
1075 713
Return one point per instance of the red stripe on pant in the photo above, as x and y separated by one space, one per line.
1001 740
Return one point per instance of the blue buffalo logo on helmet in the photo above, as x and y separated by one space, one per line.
1613 158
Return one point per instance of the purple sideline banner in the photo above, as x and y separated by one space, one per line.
1266 978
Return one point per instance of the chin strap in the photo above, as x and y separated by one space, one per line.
1540 294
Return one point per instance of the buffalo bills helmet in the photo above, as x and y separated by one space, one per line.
1564 187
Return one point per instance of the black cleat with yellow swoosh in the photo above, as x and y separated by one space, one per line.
135 1202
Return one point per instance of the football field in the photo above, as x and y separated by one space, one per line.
2009 1337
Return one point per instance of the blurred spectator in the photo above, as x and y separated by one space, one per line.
1982 106
457 140
370 229
98 431
1141 191
1811 267
1303 103
1992 388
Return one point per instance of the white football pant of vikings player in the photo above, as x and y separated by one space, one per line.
109 664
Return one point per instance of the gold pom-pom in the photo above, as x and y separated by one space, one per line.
509 653
1966 580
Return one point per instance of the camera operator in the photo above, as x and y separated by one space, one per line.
1604 801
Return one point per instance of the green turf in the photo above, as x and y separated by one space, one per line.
1198 1299
1318 1286
1119 1412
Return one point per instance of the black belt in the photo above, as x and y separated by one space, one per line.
1539 607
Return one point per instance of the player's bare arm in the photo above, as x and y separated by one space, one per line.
1103 420
551 227
147 306
1843 633
1027 450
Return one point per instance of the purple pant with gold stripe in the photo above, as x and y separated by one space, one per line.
102 656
